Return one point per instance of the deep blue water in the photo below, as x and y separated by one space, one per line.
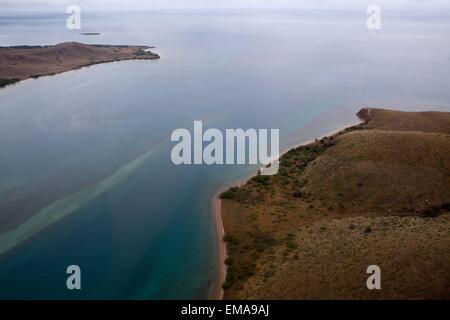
152 235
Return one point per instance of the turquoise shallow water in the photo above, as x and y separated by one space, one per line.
152 234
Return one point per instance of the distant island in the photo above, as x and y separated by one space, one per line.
23 62
377 193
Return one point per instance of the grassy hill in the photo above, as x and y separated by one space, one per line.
23 62
376 194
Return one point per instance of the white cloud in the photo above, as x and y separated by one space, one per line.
135 4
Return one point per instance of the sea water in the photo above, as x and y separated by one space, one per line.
96 143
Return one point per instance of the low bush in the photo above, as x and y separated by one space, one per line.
227 195
229 261
297 194
264 180
230 239
5 82
432 212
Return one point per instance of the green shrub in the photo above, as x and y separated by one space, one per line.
264 180
432 212
297 194
228 280
230 239
5 82
290 245
227 195
228 261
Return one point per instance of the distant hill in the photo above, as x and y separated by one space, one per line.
375 194
23 62
391 120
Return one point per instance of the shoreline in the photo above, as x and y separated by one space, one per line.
218 291
18 82
20 61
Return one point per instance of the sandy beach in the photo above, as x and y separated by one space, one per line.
336 195
217 291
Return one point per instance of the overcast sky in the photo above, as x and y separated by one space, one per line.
157 4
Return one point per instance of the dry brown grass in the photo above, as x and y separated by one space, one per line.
302 233
392 120
332 256
28 62
380 171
